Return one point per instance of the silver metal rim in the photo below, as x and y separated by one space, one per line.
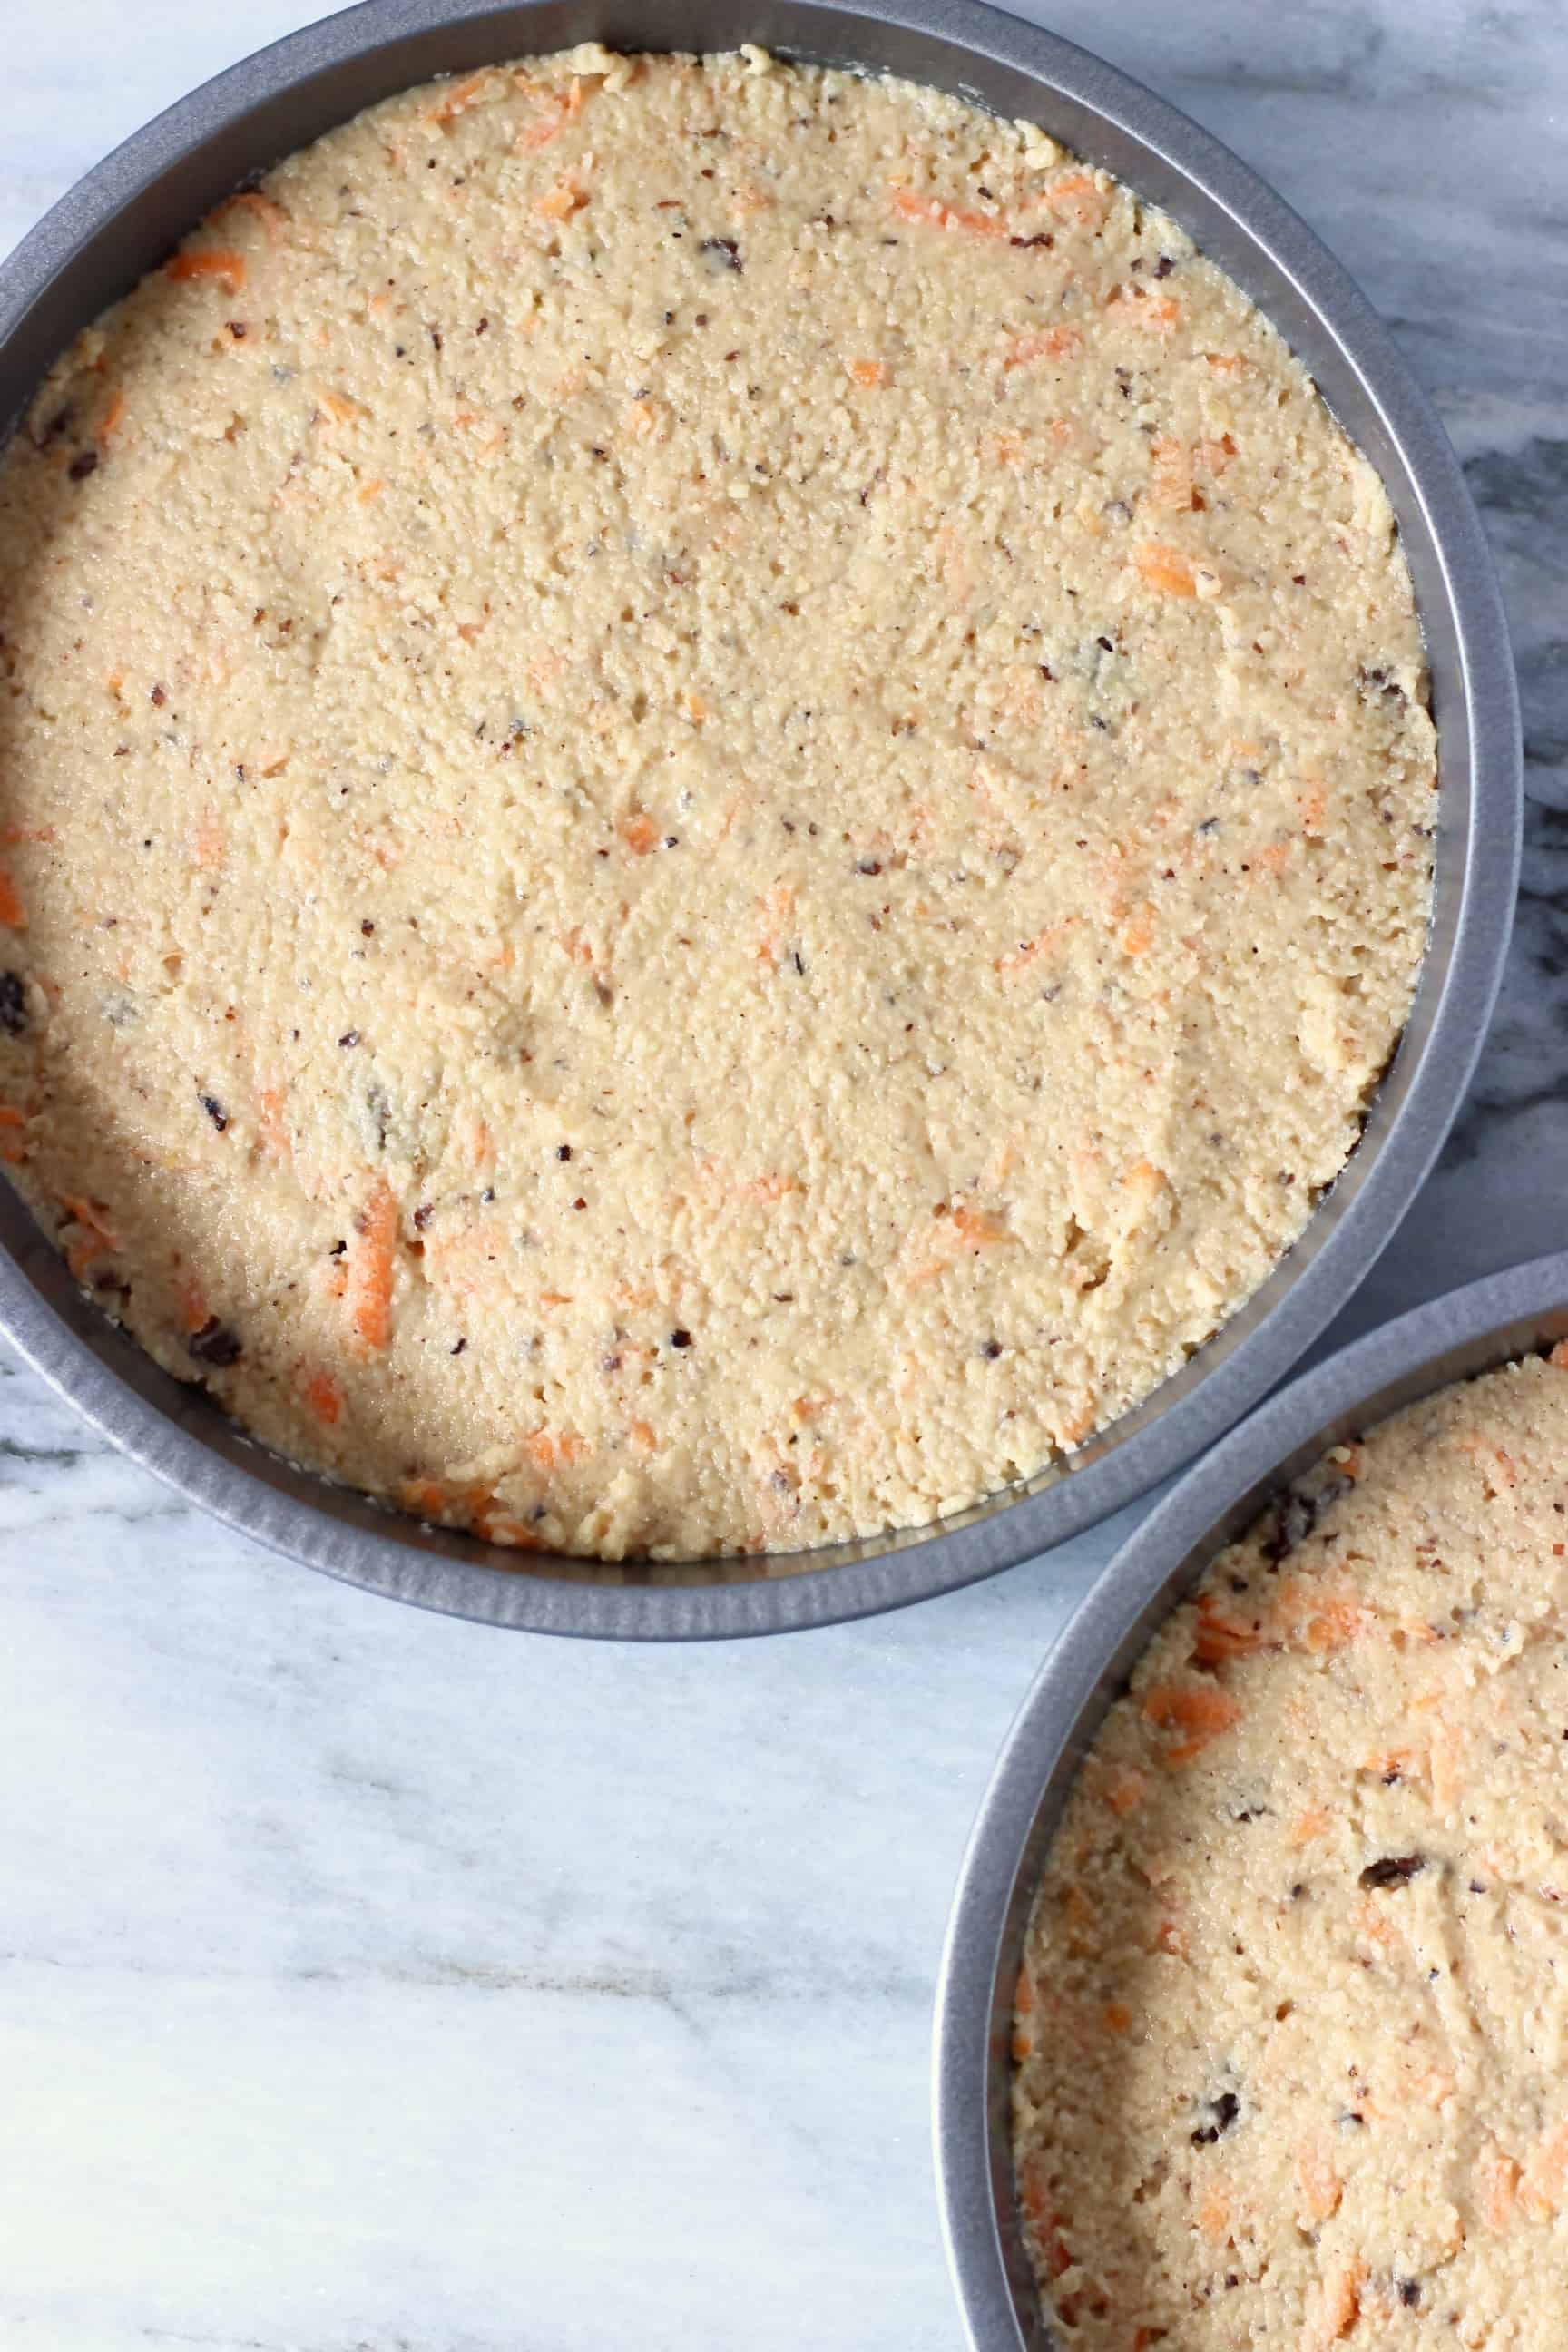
128 211
1453 1338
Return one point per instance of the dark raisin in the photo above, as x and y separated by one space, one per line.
238 330
13 1003
214 1111
1301 1512
458 1345
564 1151
487 1195
1105 645
726 252
215 1343
84 463
1026 242
422 1216
339 1247
1409 2293
349 1037
869 865
1165 266
1225 2110
366 928
991 1351
680 1339
1393 1870
157 696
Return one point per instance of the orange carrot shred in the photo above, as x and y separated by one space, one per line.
369 1260
210 261
12 912
322 1396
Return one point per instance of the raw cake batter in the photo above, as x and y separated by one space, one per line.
716 804
1293 2023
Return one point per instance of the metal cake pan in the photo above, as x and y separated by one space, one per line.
125 217
1451 1339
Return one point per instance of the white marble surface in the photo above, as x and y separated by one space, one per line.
370 1983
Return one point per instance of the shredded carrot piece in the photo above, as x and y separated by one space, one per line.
1116 2017
113 418
1124 1790
911 206
271 1126
458 102
340 407
194 1309
499 1527
266 209
566 197
12 1128
548 1449
772 1187
777 910
428 1497
1024 1994
1558 1356
1546 2173
1197 1708
1167 570
1341 2304
642 1436
869 372
12 912
560 112
1132 307
1310 1824
97 1236
1214 2213
207 841
980 1229
640 835
210 261
1219 1637
324 1398
1497 2184
1077 199
1021 957
370 1270
1137 935
1035 2196
1170 473
1318 2185
1050 344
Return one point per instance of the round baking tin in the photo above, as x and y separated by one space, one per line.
124 217
1452 1339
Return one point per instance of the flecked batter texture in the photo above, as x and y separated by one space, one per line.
717 803
1293 2022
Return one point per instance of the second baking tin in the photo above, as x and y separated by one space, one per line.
1470 1331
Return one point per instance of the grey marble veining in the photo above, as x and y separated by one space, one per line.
371 1983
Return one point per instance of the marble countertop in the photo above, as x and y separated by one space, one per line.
375 1983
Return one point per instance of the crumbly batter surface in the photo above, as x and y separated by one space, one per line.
1293 2022
716 797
